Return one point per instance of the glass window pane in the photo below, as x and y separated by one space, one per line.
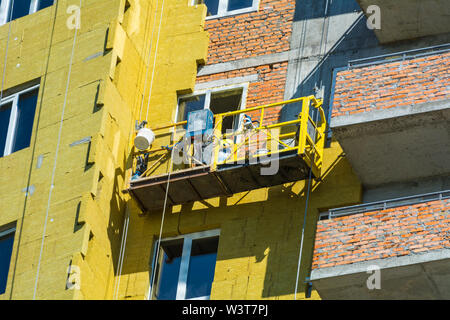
6 246
168 269
190 104
202 264
25 118
239 4
213 7
21 8
5 113
44 4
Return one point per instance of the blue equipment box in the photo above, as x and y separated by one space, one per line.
199 122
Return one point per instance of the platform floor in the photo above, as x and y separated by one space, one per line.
202 183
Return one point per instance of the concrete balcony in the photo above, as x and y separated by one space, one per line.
406 239
391 115
409 19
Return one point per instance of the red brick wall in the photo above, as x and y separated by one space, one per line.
390 85
393 232
262 32
268 89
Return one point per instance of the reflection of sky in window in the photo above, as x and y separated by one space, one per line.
168 281
6 246
5 113
213 6
201 275
21 8
25 117
239 4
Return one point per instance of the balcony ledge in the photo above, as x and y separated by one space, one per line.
398 144
417 276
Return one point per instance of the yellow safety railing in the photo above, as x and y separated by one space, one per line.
306 135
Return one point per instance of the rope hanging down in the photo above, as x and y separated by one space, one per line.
55 160
152 278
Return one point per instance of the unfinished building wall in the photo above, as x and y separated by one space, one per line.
42 184
63 193
260 230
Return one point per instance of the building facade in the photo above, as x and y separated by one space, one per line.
354 93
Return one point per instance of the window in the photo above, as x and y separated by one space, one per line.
16 120
14 9
221 8
6 246
185 267
218 100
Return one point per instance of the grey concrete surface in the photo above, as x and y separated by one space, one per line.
409 19
397 146
418 276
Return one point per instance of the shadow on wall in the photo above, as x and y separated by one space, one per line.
313 9
357 42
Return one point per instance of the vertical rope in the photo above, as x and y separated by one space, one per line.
154 60
148 60
127 218
152 279
51 32
304 221
303 235
122 253
55 161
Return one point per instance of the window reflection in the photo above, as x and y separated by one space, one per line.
201 267
169 269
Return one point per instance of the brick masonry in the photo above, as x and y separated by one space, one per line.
253 34
269 87
394 232
390 85
262 32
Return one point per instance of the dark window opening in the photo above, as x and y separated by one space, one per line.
213 7
239 4
226 101
168 269
185 268
5 115
44 4
201 267
20 9
6 246
25 119
17 114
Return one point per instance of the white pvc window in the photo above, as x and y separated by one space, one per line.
222 8
16 120
14 9
218 100
184 267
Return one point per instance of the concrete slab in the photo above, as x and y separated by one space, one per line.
409 19
397 144
420 276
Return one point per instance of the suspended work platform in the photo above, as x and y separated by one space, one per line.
258 153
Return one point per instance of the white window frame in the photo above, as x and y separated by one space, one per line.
5 12
7 232
184 265
14 99
223 12
210 90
